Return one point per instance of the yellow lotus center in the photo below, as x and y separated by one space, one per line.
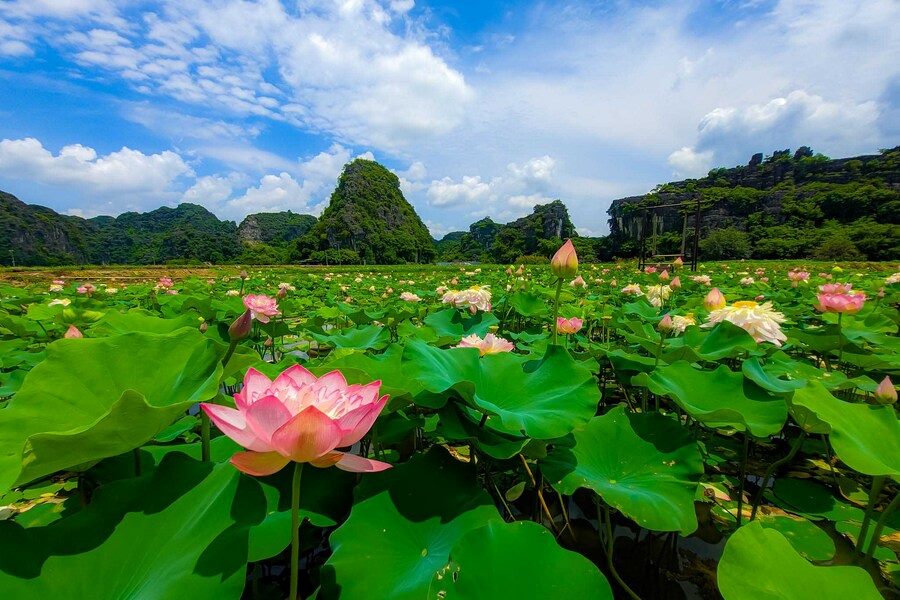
745 304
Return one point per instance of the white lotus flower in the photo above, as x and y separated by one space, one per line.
759 320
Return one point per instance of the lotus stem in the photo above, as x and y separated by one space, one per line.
295 531
840 340
559 283
540 494
740 506
610 545
875 490
795 447
879 527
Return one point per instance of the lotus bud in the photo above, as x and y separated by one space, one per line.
885 393
268 342
714 300
666 324
74 333
565 262
243 275
204 327
282 292
675 283
678 263
509 271
241 326
664 276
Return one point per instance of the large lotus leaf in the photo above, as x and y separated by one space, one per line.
94 398
756 372
528 304
402 527
647 466
458 422
760 564
865 437
719 398
115 322
364 337
452 324
545 398
183 527
813 500
516 560
806 538
726 339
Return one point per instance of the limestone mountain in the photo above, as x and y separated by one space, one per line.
277 229
782 206
367 221
540 233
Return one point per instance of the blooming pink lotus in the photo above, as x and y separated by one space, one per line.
491 344
568 326
165 282
261 307
301 418
840 298
86 289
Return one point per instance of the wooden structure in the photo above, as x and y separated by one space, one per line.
647 242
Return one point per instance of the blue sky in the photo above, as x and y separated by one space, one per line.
481 107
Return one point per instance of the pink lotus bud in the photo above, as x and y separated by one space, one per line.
204 327
564 263
568 326
73 333
282 292
675 283
241 326
885 393
268 342
664 276
578 282
714 300
666 324
678 262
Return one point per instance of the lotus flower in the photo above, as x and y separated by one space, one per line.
301 418
578 282
261 307
73 333
759 320
491 344
568 326
564 263
664 276
665 324
839 298
675 283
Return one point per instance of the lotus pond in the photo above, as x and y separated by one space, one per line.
436 432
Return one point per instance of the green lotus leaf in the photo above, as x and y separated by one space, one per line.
807 539
452 324
726 339
183 527
812 500
363 337
358 367
94 398
461 423
759 563
545 398
516 560
719 398
757 373
115 322
865 437
647 466
404 520
529 305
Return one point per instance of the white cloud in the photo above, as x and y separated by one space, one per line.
446 191
125 171
688 163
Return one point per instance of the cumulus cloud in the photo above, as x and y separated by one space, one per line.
799 118
125 171
340 68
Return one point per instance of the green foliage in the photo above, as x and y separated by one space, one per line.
725 244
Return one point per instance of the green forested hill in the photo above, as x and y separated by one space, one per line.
782 206
367 220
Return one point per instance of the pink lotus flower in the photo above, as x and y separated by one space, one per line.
491 344
86 289
73 333
797 276
564 263
164 283
578 282
568 326
261 307
841 303
301 418
836 288
649 270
